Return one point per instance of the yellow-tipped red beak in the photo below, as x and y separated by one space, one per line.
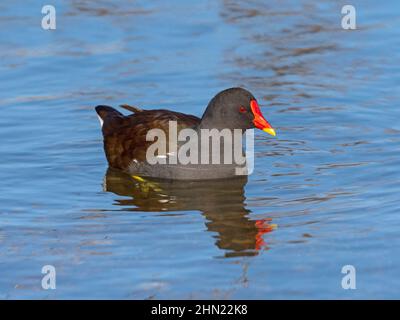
259 120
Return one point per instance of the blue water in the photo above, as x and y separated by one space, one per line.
325 191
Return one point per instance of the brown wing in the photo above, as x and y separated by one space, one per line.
125 136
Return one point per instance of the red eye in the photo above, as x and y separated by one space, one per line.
242 109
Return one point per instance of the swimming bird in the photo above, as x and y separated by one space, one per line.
126 141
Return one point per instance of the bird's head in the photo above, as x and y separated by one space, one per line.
235 108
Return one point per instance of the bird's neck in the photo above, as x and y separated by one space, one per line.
211 118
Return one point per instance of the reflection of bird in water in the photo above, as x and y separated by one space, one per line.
220 201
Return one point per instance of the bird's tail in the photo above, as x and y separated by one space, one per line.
106 114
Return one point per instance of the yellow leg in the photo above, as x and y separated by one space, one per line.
147 184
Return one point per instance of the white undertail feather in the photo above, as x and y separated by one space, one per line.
101 121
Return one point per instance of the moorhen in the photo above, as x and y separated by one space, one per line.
126 144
